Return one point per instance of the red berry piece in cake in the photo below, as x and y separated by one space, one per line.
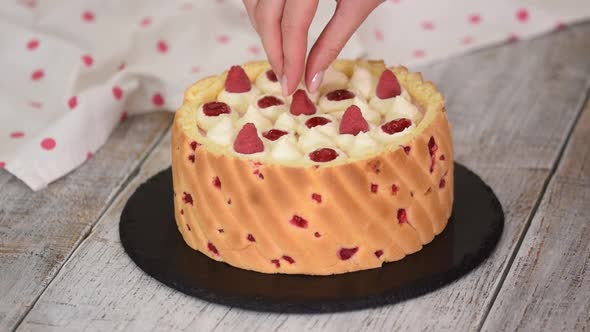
216 108
396 126
442 183
442 157
316 197
323 155
276 262
271 76
251 238
220 230
378 253
402 216
298 221
394 189
269 101
353 121
347 253
301 104
182 211
289 259
317 121
407 149
432 148
187 198
374 187
188 227
339 95
217 182
212 248
247 141
388 86
194 145
192 158
274 134
237 81
317 234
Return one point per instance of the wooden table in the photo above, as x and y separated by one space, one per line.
521 120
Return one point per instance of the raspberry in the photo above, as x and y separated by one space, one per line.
276 262
353 121
396 126
298 221
217 182
251 238
394 189
194 145
323 155
317 234
271 76
247 141
288 259
374 187
338 95
316 197
388 85
187 198
442 183
317 121
432 148
402 216
407 149
347 253
378 253
215 108
269 101
274 134
192 158
212 248
237 80
301 104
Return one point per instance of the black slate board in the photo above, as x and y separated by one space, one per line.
150 237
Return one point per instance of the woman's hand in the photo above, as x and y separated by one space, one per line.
283 26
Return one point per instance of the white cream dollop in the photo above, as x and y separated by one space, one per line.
253 115
285 149
402 108
266 85
362 82
362 145
206 122
222 132
286 122
239 101
314 139
333 80
272 112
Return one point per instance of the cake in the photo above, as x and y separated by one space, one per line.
355 175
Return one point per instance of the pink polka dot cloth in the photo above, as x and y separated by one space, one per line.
72 70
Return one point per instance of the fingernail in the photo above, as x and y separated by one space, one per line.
284 85
316 81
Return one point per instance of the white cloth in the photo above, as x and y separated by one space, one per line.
72 69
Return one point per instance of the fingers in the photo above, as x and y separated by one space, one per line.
297 17
250 6
266 17
347 18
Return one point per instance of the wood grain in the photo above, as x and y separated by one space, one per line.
548 286
39 230
511 108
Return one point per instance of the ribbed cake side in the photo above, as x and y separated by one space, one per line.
314 220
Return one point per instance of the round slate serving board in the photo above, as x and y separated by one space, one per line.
149 235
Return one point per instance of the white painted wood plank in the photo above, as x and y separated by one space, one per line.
548 286
39 230
511 108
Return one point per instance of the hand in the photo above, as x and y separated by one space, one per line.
283 26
